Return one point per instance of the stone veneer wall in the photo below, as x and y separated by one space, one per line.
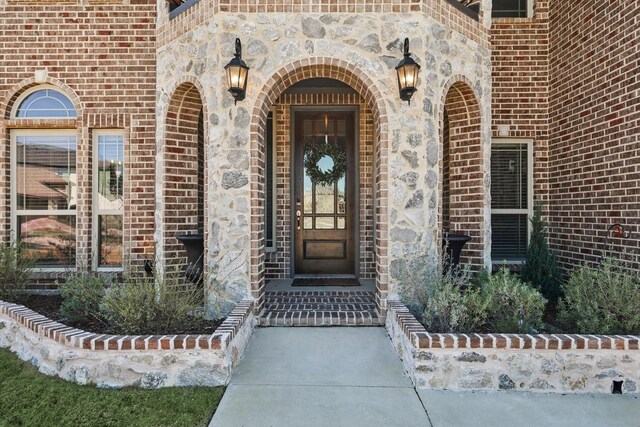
360 47
111 361
543 363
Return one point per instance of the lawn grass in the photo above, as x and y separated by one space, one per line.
29 398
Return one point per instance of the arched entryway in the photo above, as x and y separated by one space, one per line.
183 172
365 91
462 169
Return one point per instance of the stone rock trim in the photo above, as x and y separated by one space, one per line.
77 338
532 362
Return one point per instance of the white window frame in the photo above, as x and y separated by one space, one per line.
95 212
530 198
18 102
15 212
274 195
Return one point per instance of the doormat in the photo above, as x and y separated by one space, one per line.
318 281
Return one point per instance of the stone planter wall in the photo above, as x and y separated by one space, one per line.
542 363
113 361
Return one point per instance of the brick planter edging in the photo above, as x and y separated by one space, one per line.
529 362
78 338
421 339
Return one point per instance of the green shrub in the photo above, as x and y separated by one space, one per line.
432 293
512 305
150 306
447 301
15 269
81 297
540 268
602 300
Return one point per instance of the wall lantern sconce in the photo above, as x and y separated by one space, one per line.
237 72
407 71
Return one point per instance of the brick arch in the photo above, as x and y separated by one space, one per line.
318 67
462 167
183 169
17 90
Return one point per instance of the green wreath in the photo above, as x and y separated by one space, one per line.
316 151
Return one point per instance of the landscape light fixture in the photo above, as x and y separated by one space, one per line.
237 72
407 71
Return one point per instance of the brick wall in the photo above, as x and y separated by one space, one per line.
594 155
104 54
520 92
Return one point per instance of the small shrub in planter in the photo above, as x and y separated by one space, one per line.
433 294
602 300
512 305
15 269
540 268
150 306
81 296
448 302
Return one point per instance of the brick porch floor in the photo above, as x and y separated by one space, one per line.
320 308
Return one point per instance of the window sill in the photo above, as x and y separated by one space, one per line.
270 250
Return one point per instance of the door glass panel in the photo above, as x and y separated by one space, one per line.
341 223
324 223
308 223
342 200
308 194
325 199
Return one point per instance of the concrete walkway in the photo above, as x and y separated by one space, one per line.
352 377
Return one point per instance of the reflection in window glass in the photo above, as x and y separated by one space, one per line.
46 172
49 239
110 240
109 201
110 172
46 103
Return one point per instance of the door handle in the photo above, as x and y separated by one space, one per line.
298 215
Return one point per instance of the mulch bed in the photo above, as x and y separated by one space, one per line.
49 306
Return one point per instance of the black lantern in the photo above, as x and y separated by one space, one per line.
407 71
237 72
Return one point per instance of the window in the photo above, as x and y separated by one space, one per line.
44 195
511 8
44 182
511 199
108 205
269 192
45 103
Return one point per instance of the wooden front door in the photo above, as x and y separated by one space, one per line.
324 192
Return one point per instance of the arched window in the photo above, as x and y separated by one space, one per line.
44 103
44 181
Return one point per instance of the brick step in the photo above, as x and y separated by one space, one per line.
369 294
320 318
320 300
320 307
